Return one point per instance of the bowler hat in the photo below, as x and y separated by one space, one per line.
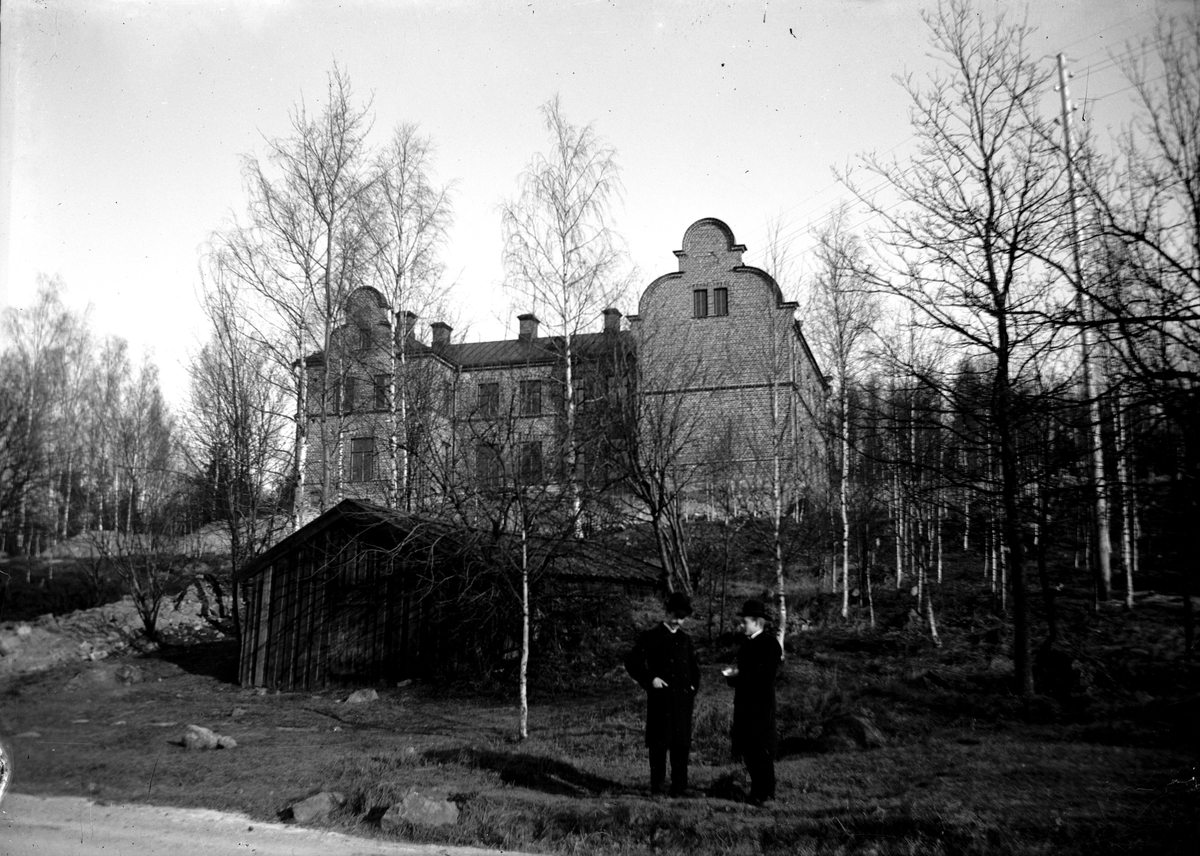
753 608
678 603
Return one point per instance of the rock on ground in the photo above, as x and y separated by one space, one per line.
317 807
362 697
197 737
428 808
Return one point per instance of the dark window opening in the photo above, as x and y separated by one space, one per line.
700 303
531 462
488 467
362 459
348 395
720 301
531 397
383 385
489 399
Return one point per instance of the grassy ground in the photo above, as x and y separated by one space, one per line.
967 767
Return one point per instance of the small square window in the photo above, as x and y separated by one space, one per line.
700 303
720 301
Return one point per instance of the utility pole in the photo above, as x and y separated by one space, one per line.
1090 386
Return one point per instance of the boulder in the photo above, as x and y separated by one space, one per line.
423 808
9 645
362 697
127 673
226 742
317 807
198 737
851 731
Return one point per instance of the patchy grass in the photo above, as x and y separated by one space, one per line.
967 769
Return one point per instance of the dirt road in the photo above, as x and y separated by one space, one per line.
56 826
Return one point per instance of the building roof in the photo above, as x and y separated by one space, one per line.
543 350
517 352
582 561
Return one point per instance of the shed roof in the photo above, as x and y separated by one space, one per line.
582 561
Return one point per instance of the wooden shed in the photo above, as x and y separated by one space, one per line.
364 595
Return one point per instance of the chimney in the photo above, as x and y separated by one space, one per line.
612 320
410 322
441 334
529 327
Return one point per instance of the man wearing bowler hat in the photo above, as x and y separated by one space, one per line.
753 682
664 663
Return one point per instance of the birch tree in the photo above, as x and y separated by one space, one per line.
409 216
842 313
235 432
300 251
562 258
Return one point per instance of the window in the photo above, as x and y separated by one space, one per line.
530 469
700 303
383 384
348 391
447 398
489 399
720 301
488 467
531 397
362 459
312 392
361 338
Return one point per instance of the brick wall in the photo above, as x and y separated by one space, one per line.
743 381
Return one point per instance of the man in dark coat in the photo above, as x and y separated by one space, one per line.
664 664
753 682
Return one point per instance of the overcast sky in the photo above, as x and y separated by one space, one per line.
122 122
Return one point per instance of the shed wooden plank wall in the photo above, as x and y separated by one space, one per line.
331 614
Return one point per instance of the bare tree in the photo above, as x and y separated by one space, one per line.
970 216
408 219
301 251
235 432
38 336
842 313
514 498
658 428
562 257
1147 215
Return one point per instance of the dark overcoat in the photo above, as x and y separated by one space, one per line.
659 653
754 695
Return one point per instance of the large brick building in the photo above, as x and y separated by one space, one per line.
713 369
